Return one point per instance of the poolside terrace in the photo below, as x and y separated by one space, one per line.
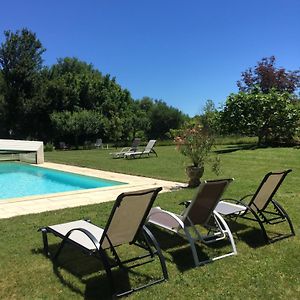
40 203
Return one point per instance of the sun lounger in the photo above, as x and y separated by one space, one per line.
63 146
126 225
200 211
262 207
99 143
146 151
131 149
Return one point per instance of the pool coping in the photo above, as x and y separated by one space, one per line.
41 203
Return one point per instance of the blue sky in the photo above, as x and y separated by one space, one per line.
183 52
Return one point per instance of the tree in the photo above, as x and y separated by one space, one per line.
272 117
75 85
21 63
2 111
162 118
265 76
75 125
140 121
210 117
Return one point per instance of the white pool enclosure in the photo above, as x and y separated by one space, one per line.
26 151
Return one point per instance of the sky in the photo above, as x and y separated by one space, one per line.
183 52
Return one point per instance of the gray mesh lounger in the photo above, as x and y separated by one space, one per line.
263 207
123 227
200 211
133 148
147 151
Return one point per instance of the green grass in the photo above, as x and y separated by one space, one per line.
236 139
258 271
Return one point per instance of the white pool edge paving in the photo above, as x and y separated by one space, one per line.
41 203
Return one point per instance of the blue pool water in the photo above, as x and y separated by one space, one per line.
19 180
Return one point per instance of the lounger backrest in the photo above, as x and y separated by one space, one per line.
128 216
150 145
267 189
135 143
206 199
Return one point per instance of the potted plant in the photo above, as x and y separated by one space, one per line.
196 142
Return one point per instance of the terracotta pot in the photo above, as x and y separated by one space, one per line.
194 174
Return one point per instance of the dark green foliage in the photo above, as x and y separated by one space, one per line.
71 100
162 118
78 125
74 85
272 117
2 111
266 105
210 117
21 63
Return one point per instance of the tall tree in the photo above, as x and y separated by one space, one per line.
266 76
210 117
162 118
73 85
21 63
77 126
272 117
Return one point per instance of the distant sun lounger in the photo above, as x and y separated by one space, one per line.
133 148
146 151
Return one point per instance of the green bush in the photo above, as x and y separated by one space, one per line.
49 147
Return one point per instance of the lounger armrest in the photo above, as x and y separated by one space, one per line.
122 150
126 149
237 201
167 215
87 233
250 195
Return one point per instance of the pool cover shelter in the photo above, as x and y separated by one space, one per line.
27 151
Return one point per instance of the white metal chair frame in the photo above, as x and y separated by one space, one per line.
181 225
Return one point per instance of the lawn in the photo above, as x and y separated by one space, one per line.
258 271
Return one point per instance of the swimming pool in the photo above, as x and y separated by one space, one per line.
20 180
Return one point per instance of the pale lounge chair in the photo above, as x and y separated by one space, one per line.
262 207
63 146
146 151
133 148
99 143
126 225
200 211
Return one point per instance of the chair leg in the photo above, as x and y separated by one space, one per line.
148 234
45 241
283 211
62 244
225 228
193 247
262 227
108 271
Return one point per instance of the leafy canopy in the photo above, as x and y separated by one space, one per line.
266 76
272 117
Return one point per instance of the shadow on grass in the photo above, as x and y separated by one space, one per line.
89 271
140 157
248 234
179 248
238 147
252 235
